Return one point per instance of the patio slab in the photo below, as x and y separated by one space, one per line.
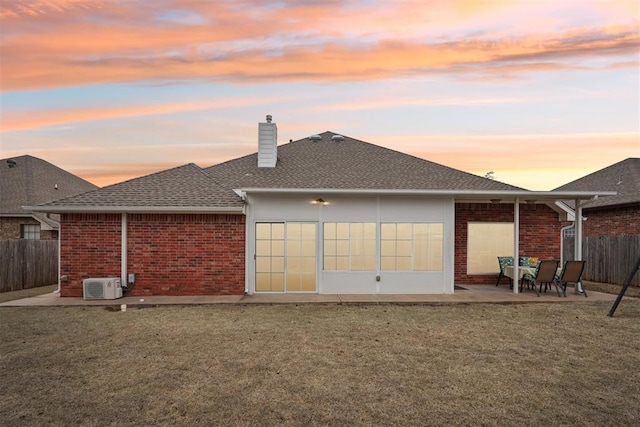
470 294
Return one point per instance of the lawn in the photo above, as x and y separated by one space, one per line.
476 364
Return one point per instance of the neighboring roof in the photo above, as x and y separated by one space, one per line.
182 189
622 177
347 164
27 181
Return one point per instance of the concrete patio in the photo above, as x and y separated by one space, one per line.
463 294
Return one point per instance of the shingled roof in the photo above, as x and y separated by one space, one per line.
622 177
184 188
346 164
28 181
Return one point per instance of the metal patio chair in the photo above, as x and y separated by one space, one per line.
571 273
504 261
545 274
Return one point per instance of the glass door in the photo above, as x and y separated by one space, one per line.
286 257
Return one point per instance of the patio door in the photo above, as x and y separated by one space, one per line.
286 257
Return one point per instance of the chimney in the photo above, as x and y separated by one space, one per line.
267 144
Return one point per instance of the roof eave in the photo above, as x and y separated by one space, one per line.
481 195
137 209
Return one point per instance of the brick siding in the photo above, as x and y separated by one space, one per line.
170 254
615 221
539 234
10 228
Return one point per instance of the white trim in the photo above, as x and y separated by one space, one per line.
136 209
459 194
516 245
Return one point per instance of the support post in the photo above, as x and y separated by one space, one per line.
516 246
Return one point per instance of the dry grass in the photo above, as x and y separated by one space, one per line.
480 364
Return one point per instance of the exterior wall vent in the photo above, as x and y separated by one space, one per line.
337 138
315 138
267 144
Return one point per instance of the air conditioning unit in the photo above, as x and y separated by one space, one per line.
103 288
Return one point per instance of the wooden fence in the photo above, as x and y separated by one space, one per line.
608 258
28 264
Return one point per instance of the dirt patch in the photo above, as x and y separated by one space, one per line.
477 364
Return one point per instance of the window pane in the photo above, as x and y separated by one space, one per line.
277 282
308 282
277 247
370 230
388 263
308 231
293 247
420 231
277 231
329 247
263 281
388 231
277 264
342 263
404 231
308 248
356 230
487 241
263 247
329 263
293 264
403 263
263 264
342 230
293 231
388 248
263 231
370 263
370 248
329 230
342 247
403 248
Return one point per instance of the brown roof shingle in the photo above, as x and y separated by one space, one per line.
181 187
623 177
347 164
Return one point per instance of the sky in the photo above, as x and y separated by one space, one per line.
538 92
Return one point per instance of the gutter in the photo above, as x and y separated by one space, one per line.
134 209
525 195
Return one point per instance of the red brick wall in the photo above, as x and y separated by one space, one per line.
169 254
187 254
89 247
612 222
539 234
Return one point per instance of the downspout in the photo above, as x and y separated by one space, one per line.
48 215
562 230
123 252
57 291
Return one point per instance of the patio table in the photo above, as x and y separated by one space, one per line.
522 270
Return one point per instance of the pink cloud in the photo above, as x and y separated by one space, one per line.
55 44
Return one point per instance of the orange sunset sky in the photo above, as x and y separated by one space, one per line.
540 92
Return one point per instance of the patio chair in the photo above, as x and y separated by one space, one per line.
571 273
504 261
545 274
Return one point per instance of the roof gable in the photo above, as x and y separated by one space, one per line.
622 177
346 164
184 187
28 181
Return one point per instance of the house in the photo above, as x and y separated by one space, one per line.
611 222
323 214
28 181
